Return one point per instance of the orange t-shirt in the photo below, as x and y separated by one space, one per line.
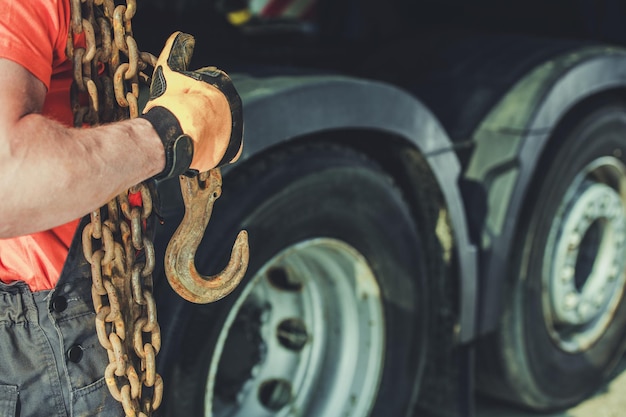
33 33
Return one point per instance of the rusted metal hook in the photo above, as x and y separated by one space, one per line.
199 195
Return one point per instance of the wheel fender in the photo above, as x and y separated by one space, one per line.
278 109
510 141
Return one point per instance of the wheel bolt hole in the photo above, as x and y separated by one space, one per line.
292 334
280 279
274 394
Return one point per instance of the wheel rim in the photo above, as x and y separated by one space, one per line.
304 338
585 260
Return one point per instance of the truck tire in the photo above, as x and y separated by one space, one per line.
331 316
563 330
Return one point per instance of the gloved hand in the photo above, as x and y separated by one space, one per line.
197 114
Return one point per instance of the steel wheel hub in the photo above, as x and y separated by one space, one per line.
585 257
311 342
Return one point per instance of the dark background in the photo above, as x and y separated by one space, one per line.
343 31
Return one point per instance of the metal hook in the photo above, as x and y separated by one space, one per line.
199 195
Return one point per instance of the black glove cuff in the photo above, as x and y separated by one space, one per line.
178 146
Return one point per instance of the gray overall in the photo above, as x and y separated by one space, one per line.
51 363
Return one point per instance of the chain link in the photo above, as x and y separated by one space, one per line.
107 70
109 64
108 67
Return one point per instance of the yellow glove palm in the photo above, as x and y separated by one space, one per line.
202 105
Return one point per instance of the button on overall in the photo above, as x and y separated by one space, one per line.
75 353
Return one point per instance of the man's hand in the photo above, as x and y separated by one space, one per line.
197 114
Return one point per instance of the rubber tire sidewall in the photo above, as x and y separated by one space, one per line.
540 374
306 193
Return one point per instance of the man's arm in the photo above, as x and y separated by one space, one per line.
51 174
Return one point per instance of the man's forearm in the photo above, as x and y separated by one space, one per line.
50 174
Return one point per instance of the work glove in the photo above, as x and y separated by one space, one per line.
197 114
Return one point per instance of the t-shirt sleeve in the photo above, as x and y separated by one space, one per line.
33 34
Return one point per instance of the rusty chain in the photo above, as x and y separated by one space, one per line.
107 69
126 319
109 44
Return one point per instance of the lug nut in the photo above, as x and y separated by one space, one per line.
274 394
282 280
292 334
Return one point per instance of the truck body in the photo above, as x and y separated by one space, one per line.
435 194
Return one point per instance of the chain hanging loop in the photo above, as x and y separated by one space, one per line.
107 68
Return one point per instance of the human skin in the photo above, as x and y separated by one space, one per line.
51 174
